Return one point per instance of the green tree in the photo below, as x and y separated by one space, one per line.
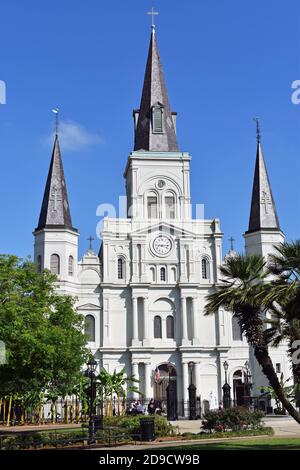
243 292
42 332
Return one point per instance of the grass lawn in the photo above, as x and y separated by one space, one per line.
261 443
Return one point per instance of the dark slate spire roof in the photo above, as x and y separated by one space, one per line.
55 211
154 92
263 213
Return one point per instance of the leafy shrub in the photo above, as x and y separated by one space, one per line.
9 443
113 435
132 423
25 441
236 418
39 439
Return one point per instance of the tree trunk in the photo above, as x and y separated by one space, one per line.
9 411
66 411
4 410
263 358
77 410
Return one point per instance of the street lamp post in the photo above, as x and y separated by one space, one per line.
192 393
248 383
90 373
226 388
171 396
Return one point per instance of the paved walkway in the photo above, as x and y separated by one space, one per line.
38 427
283 426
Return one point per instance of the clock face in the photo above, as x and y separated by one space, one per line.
162 245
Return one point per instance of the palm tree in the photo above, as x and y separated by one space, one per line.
244 280
122 385
289 391
284 265
117 385
105 380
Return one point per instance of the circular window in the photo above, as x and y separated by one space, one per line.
161 184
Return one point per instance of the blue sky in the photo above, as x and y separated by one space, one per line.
225 62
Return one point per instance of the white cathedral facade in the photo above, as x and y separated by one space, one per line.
144 294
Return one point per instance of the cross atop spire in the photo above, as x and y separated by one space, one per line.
154 121
258 134
90 240
231 240
153 13
263 214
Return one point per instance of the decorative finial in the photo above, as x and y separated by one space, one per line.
90 239
56 112
231 240
258 134
153 13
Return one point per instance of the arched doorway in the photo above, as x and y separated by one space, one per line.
163 373
241 389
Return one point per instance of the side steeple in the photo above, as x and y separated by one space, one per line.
154 121
264 231
263 214
55 239
55 211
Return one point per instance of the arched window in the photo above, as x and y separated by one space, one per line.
157 119
120 268
39 264
170 326
152 207
173 272
71 266
204 268
162 274
152 274
89 327
170 206
236 329
157 326
55 264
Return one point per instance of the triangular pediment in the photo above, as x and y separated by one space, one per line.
88 307
164 227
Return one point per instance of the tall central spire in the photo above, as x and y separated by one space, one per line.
154 121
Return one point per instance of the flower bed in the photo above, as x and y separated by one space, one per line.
232 419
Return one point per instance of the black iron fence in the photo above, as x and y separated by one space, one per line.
71 410
60 438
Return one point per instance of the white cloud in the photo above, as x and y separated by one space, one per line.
74 136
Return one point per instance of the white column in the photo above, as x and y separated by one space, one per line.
146 339
183 274
134 262
195 320
197 379
148 391
185 383
135 372
184 321
143 264
105 319
106 262
135 338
